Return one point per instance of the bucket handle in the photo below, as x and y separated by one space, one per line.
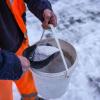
59 47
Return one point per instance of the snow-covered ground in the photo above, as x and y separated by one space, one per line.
79 24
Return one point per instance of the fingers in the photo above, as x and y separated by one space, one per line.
53 20
24 63
49 18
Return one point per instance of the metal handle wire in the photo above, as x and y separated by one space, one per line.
58 44
61 52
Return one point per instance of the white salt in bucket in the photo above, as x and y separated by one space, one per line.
51 81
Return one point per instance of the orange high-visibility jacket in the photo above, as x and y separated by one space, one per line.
16 11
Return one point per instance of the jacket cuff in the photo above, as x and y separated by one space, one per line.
38 7
11 67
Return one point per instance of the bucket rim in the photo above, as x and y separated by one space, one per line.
62 73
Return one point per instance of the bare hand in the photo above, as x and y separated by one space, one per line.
25 63
49 18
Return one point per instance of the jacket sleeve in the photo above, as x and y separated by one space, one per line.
10 66
38 6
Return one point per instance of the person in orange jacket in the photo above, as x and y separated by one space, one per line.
14 40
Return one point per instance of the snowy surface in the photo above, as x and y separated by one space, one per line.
79 24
